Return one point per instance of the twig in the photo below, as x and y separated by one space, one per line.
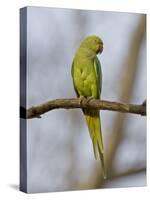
35 112
129 172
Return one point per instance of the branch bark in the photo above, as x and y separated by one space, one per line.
35 112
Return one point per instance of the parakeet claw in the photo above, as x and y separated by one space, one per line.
88 99
81 98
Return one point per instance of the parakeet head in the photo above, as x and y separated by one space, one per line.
94 43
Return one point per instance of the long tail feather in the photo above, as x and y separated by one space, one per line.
94 127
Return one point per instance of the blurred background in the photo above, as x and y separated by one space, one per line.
60 152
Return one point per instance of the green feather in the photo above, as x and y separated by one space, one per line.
98 72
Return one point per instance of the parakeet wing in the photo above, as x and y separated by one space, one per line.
72 73
98 72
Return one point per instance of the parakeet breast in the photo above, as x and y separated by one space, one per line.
84 77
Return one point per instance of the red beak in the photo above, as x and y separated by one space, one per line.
101 49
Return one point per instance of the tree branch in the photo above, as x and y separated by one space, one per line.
35 112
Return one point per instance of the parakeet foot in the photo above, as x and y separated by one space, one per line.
88 99
81 98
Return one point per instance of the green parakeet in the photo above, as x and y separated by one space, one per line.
87 81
